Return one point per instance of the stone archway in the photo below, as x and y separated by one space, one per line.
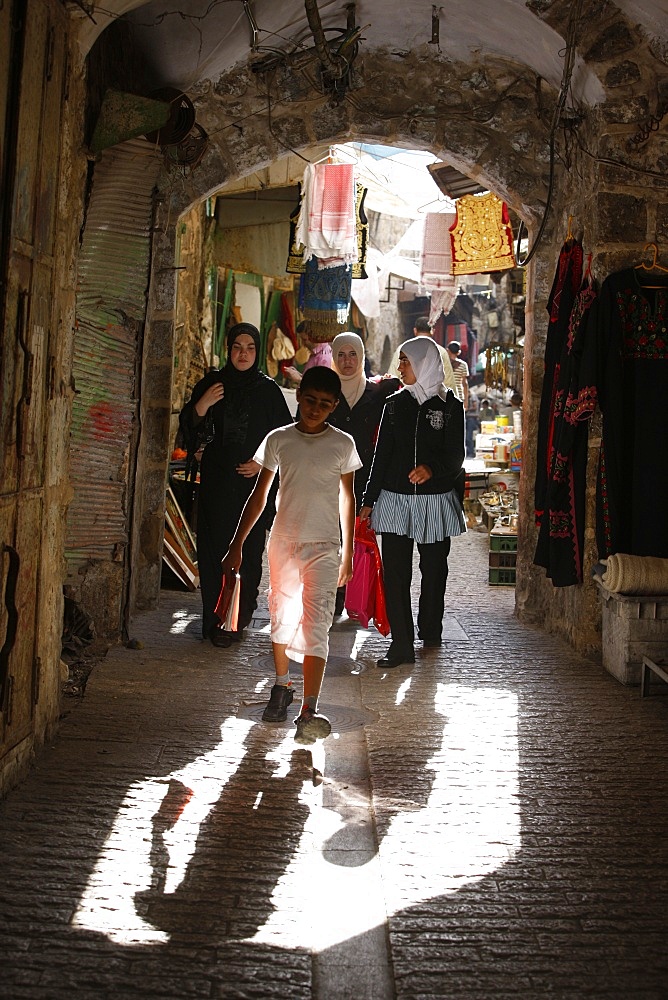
489 117
526 198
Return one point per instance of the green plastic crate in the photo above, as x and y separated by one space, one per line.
502 543
504 560
501 577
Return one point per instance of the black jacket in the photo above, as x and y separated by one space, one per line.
411 434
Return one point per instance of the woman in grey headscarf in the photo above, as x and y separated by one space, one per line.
413 495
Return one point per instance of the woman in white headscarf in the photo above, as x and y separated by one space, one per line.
413 495
359 410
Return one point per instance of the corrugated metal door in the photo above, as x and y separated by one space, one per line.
113 277
30 114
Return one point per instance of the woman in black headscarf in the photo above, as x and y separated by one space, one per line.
230 411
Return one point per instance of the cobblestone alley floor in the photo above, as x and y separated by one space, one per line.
490 823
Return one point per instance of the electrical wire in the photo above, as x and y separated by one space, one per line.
569 62
272 133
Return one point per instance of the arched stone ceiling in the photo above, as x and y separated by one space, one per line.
187 41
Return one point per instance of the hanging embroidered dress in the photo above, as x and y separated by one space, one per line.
565 287
561 536
625 369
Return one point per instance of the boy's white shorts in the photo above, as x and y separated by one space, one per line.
302 594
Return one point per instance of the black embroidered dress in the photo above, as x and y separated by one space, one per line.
561 537
565 287
625 369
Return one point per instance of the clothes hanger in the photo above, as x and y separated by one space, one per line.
654 266
335 155
445 202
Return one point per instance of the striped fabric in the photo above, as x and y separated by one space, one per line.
427 517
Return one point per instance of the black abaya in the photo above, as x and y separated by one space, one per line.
251 408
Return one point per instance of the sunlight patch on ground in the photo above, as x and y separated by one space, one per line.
402 691
468 827
440 838
124 867
181 619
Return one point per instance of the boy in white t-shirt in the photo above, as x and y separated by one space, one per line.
316 464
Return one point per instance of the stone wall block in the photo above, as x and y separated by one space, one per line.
622 218
615 260
516 176
291 132
623 73
152 531
330 121
155 432
158 345
462 139
661 233
626 111
659 49
237 83
614 41
162 286
251 148
153 491
157 387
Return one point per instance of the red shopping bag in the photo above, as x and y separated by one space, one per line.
227 608
361 591
367 593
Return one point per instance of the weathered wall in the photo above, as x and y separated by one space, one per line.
155 414
618 197
40 238
189 350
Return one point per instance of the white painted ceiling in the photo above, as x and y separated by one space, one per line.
187 41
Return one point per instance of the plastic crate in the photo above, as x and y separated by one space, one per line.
502 577
504 560
502 542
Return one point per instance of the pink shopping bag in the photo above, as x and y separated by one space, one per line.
361 591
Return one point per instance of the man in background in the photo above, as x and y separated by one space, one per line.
460 371
422 329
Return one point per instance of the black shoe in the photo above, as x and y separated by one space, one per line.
395 659
277 706
432 643
236 636
220 638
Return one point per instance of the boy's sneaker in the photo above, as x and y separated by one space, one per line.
277 706
311 726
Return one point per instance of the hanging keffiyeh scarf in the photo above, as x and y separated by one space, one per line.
326 225
352 386
425 359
